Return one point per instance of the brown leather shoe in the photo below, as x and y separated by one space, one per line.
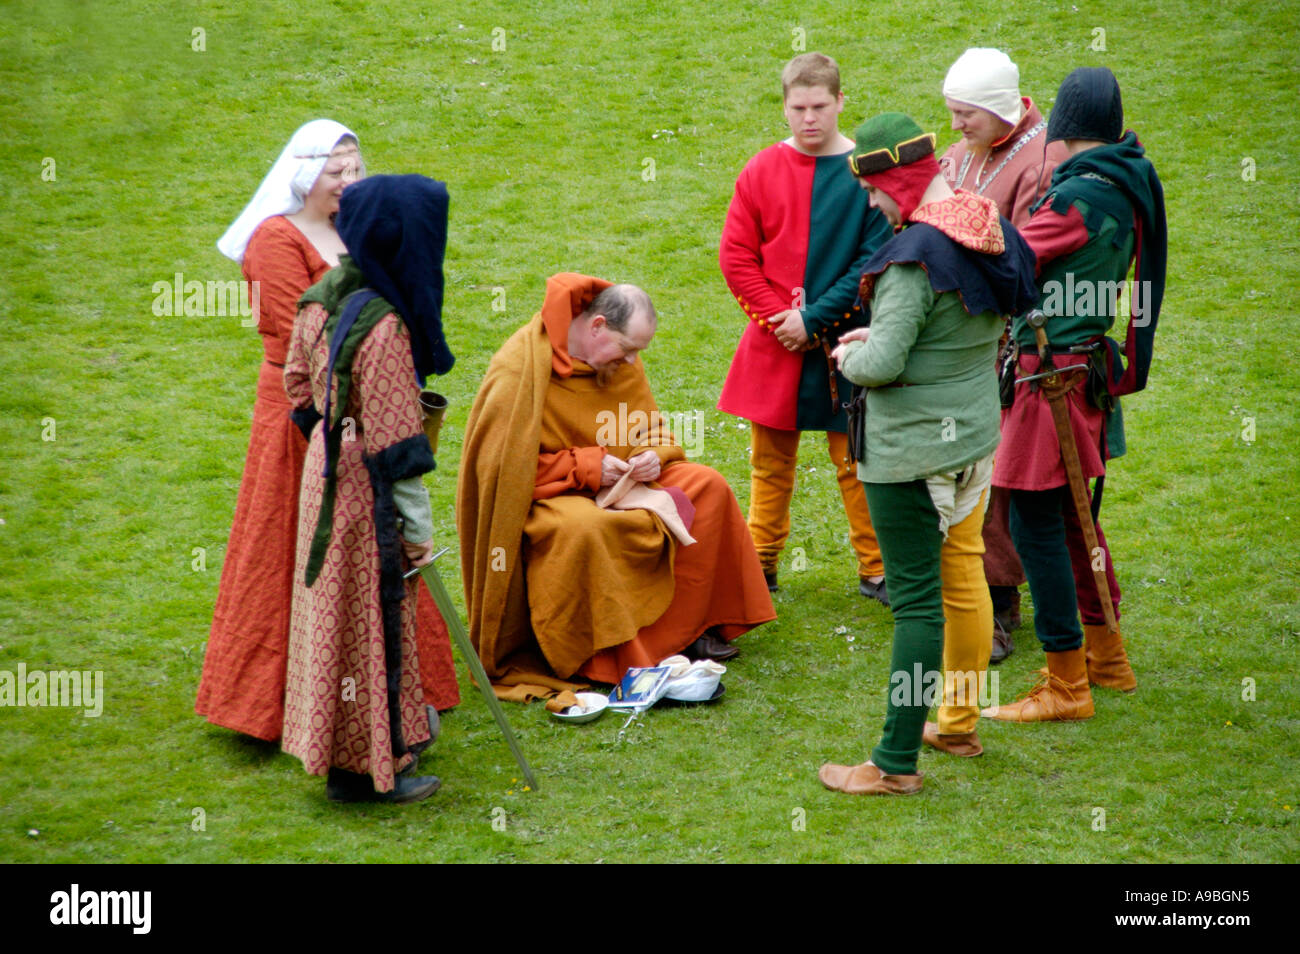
1108 664
1009 618
1062 696
711 646
867 779
964 744
1002 644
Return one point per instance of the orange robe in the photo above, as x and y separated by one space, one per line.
557 587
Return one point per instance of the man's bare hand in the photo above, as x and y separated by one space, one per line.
841 349
418 553
789 329
611 469
645 466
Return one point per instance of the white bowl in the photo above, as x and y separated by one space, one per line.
591 706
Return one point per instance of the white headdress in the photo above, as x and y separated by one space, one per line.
286 186
988 79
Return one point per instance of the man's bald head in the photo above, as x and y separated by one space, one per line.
619 304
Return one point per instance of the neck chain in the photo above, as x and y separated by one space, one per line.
965 163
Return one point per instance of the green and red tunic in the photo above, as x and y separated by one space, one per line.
1104 210
798 231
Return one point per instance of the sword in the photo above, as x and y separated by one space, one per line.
429 573
1054 389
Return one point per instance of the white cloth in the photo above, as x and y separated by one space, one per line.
286 186
956 495
631 494
988 79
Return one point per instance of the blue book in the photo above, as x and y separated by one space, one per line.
640 687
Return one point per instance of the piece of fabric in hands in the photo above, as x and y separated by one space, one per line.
672 506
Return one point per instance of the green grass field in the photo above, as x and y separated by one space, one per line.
608 143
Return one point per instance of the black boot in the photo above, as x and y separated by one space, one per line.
344 786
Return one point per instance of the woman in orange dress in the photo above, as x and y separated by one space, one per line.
286 241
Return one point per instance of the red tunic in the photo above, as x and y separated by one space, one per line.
1030 455
763 252
242 685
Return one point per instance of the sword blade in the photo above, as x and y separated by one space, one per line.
429 573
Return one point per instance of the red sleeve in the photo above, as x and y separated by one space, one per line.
278 260
574 468
739 257
1052 235
297 365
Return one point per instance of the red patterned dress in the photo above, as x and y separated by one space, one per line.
336 700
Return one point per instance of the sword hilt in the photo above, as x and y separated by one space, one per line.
1037 320
415 570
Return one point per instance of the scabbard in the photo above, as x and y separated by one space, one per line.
1056 389
830 370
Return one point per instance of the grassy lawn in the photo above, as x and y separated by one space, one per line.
607 141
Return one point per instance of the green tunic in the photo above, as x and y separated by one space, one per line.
932 407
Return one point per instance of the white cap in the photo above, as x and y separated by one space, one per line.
988 79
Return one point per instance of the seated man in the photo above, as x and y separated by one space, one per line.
560 588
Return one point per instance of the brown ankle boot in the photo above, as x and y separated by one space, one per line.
1107 662
1063 696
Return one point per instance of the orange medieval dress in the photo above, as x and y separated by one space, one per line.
242 684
